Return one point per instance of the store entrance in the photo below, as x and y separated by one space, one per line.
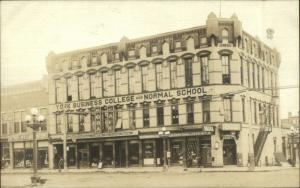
229 152
108 154
192 152
120 154
177 152
58 154
83 155
71 156
205 152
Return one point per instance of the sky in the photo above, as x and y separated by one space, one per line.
31 29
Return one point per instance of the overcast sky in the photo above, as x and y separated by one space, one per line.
29 30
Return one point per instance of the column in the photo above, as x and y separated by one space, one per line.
165 151
140 154
114 155
11 154
50 156
101 152
76 156
126 153
154 152
184 151
216 152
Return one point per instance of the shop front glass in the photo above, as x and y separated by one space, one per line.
83 155
177 152
205 152
148 153
19 158
94 155
71 155
229 152
108 154
43 158
193 154
5 160
28 157
133 153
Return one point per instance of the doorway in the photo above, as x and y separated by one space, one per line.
229 152
120 154
58 154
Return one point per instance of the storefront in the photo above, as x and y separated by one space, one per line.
5 156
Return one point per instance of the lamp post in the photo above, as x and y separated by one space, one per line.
164 134
292 134
34 121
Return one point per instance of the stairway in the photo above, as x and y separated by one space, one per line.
260 142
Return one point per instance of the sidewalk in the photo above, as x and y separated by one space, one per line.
150 169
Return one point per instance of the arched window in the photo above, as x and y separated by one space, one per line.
225 36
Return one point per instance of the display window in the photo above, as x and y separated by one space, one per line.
71 155
108 154
133 153
43 158
28 157
5 157
177 152
148 152
19 158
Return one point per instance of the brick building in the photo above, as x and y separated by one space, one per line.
203 96
16 137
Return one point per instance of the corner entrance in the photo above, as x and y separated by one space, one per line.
229 152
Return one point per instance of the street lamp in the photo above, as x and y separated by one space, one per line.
292 134
164 134
34 121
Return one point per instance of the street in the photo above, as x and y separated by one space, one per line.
280 178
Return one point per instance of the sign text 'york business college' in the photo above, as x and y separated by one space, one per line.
138 98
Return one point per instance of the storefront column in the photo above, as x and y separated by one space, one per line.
165 151
50 156
154 153
101 152
216 150
169 150
126 153
184 152
140 153
65 154
11 154
114 155
76 156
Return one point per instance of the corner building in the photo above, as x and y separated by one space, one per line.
204 96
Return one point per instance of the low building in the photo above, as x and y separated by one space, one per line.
203 96
16 137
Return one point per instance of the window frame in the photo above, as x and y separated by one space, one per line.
226 74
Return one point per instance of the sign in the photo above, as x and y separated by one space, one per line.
28 136
189 134
102 135
138 98
231 126
168 154
228 137
208 128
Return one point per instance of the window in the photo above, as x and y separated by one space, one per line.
248 72
246 45
188 72
227 109
225 36
173 69
58 123
81 123
190 113
175 114
258 76
118 115
94 60
242 71
4 128
23 124
17 119
131 80
243 109
255 114
263 79
107 119
92 78
44 112
118 81
69 85
105 84
146 119
253 75
160 115
70 122
154 49
159 77
132 118
225 69
145 77
75 64
206 110
80 87
272 82
178 44
57 91
204 70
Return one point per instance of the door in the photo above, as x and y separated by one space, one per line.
192 152
229 152
71 155
120 154
177 152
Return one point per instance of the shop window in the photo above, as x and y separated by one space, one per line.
225 69
105 84
175 114
4 128
132 118
159 76
80 87
190 113
92 81
131 80
133 153
160 115
206 111
28 157
58 123
69 89
70 122
204 70
107 155
224 36
148 150
19 158
177 152
173 68
146 118
16 127
5 156
145 78
188 72
118 82
227 109
57 91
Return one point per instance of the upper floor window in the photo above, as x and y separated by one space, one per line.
206 110
105 81
80 87
131 80
248 74
246 45
242 71
225 36
159 76
146 117
17 119
258 76
132 117
69 89
70 122
253 75
118 81
58 123
190 112
204 70
160 115
92 78
4 128
175 113
227 109
57 91
81 123
145 77
118 117
94 60
75 64
44 112
107 119
173 67
178 44
225 69
23 123
154 49
188 72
